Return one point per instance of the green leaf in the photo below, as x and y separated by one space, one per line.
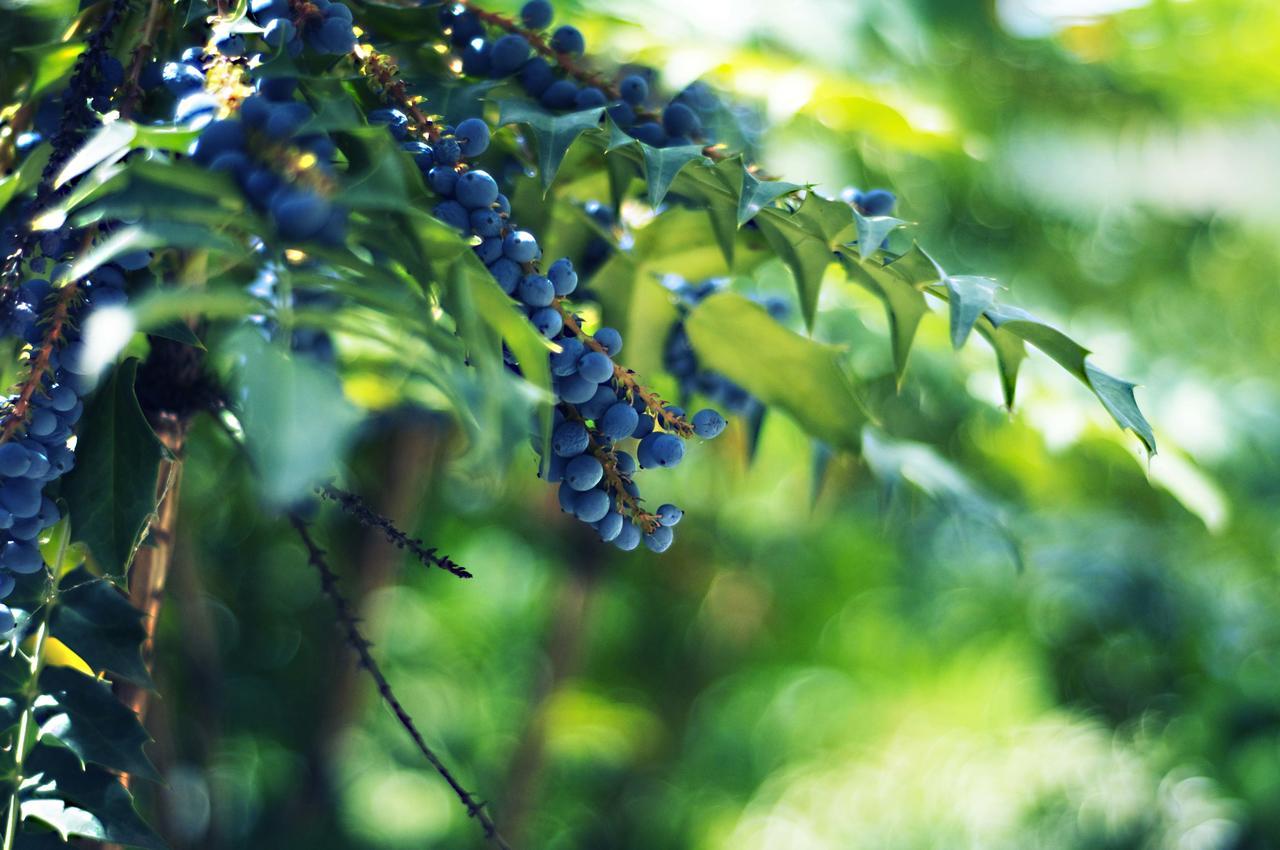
97 622
805 240
25 177
1116 396
381 176
872 231
1010 352
49 62
753 193
112 490
738 338
661 165
552 134
85 716
177 139
109 143
904 304
969 297
90 803
297 423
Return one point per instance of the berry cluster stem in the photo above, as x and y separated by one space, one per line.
669 421
384 77
131 91
40 359
615 479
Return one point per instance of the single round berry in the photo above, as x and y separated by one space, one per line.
565 361
619 421
569 439
595 366
520 246
680 120
476 190
562 276
592 505
611 339
628 537
536 14
659 540
569 40
508 54
877 201
583 473
506 272
669 514
576 389
609 527
589 98
708 424
547 321
559 95
660 449
473 136
536 291
633 89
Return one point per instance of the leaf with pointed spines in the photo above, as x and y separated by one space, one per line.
904 303
84 716
806 239
872 231
1117 397
552 134
661 165
97 622
968 297
81 803
738 338
111 492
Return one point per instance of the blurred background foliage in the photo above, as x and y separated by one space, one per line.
863 668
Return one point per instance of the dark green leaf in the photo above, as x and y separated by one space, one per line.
552 134
111 141
872 231
661 165
85 716
112 490
904 304
806 240
969 298
97 622
89 803
1116 396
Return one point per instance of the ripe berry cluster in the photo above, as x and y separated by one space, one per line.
36 453
600 404
516 54
281 169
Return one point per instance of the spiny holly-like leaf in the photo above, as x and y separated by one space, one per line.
97 622
87 719
112 490
873 230
89 803
111 141
661 165
738 338
1010 352
1116 396
756 194
381 177
552 134
806 240
904 304
969 298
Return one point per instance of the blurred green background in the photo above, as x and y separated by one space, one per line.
870 668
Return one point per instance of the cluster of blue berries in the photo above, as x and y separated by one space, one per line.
599 404
871 202
256 146
38 454
679 123
321 25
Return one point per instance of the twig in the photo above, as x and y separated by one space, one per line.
16 413
141 53
365 515
358 643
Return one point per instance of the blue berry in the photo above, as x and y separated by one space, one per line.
547 321
609 527
595 366
877 201
659 540
536 291
660 449
487 224
565 361
536 76
473 136
520 246
442 180
669 515
476 190
708 424
562 276
576 389
505 271
649 133
644 426
569 439
453 214
618 421
628 537
680 120
21 557
610 339
559 95
508 54
568 39
589 98
591 505
633 89
583 473
536 14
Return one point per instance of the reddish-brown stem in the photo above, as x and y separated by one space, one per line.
40 359
615 479
131 90
379 70
668 420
